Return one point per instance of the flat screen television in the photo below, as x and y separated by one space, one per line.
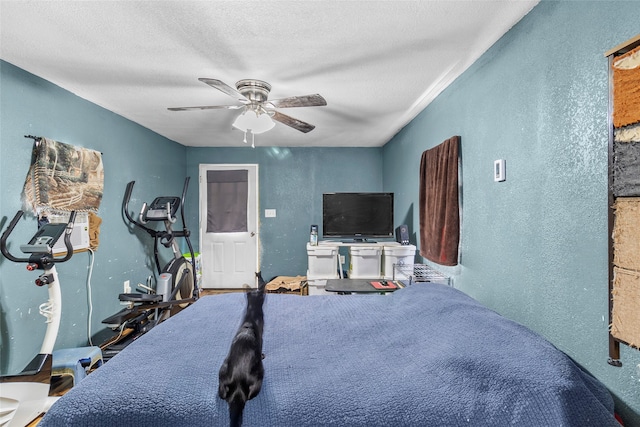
357 216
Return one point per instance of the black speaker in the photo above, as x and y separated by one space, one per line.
402 234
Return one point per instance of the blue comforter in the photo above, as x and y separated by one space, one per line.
426 355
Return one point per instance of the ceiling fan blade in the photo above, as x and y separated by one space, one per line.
206 107
299 101
294 123
225 88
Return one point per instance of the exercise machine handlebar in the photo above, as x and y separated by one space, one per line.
165 214
127 198
40 249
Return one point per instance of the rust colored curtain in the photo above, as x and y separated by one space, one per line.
439 203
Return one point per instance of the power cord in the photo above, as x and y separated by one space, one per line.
92 258
124 324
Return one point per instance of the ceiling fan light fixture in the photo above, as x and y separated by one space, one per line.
253 122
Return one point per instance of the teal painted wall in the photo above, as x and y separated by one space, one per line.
292 181
534 247
30 105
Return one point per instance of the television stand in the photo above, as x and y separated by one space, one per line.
357 242
366 252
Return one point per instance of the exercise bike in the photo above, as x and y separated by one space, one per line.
176 285
24 396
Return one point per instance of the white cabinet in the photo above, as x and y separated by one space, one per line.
322 262
366 260
396 255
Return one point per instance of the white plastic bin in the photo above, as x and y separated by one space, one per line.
396 254
323 262
364 262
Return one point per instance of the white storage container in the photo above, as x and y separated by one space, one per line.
364 262
396 254
323 262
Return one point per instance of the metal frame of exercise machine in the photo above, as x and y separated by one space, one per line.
24 396
176 285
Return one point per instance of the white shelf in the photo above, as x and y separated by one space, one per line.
417 273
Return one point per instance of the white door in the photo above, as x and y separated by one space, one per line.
228 225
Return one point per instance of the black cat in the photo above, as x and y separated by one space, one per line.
241 374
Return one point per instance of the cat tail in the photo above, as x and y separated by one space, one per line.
236 407
261 283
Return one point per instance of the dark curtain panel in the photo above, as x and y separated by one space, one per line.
439 204
227 193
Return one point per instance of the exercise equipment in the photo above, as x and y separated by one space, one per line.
176 286
24 396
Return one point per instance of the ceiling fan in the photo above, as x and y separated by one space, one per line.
253 97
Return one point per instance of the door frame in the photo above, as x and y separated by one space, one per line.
202 198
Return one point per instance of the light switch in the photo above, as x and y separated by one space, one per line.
499 172
269 213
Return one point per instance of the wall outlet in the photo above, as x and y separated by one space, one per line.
269 213
342 259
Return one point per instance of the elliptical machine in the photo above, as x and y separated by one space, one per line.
25 396
176 285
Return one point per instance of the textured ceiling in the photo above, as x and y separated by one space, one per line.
377 63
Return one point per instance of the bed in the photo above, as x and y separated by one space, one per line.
426 355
